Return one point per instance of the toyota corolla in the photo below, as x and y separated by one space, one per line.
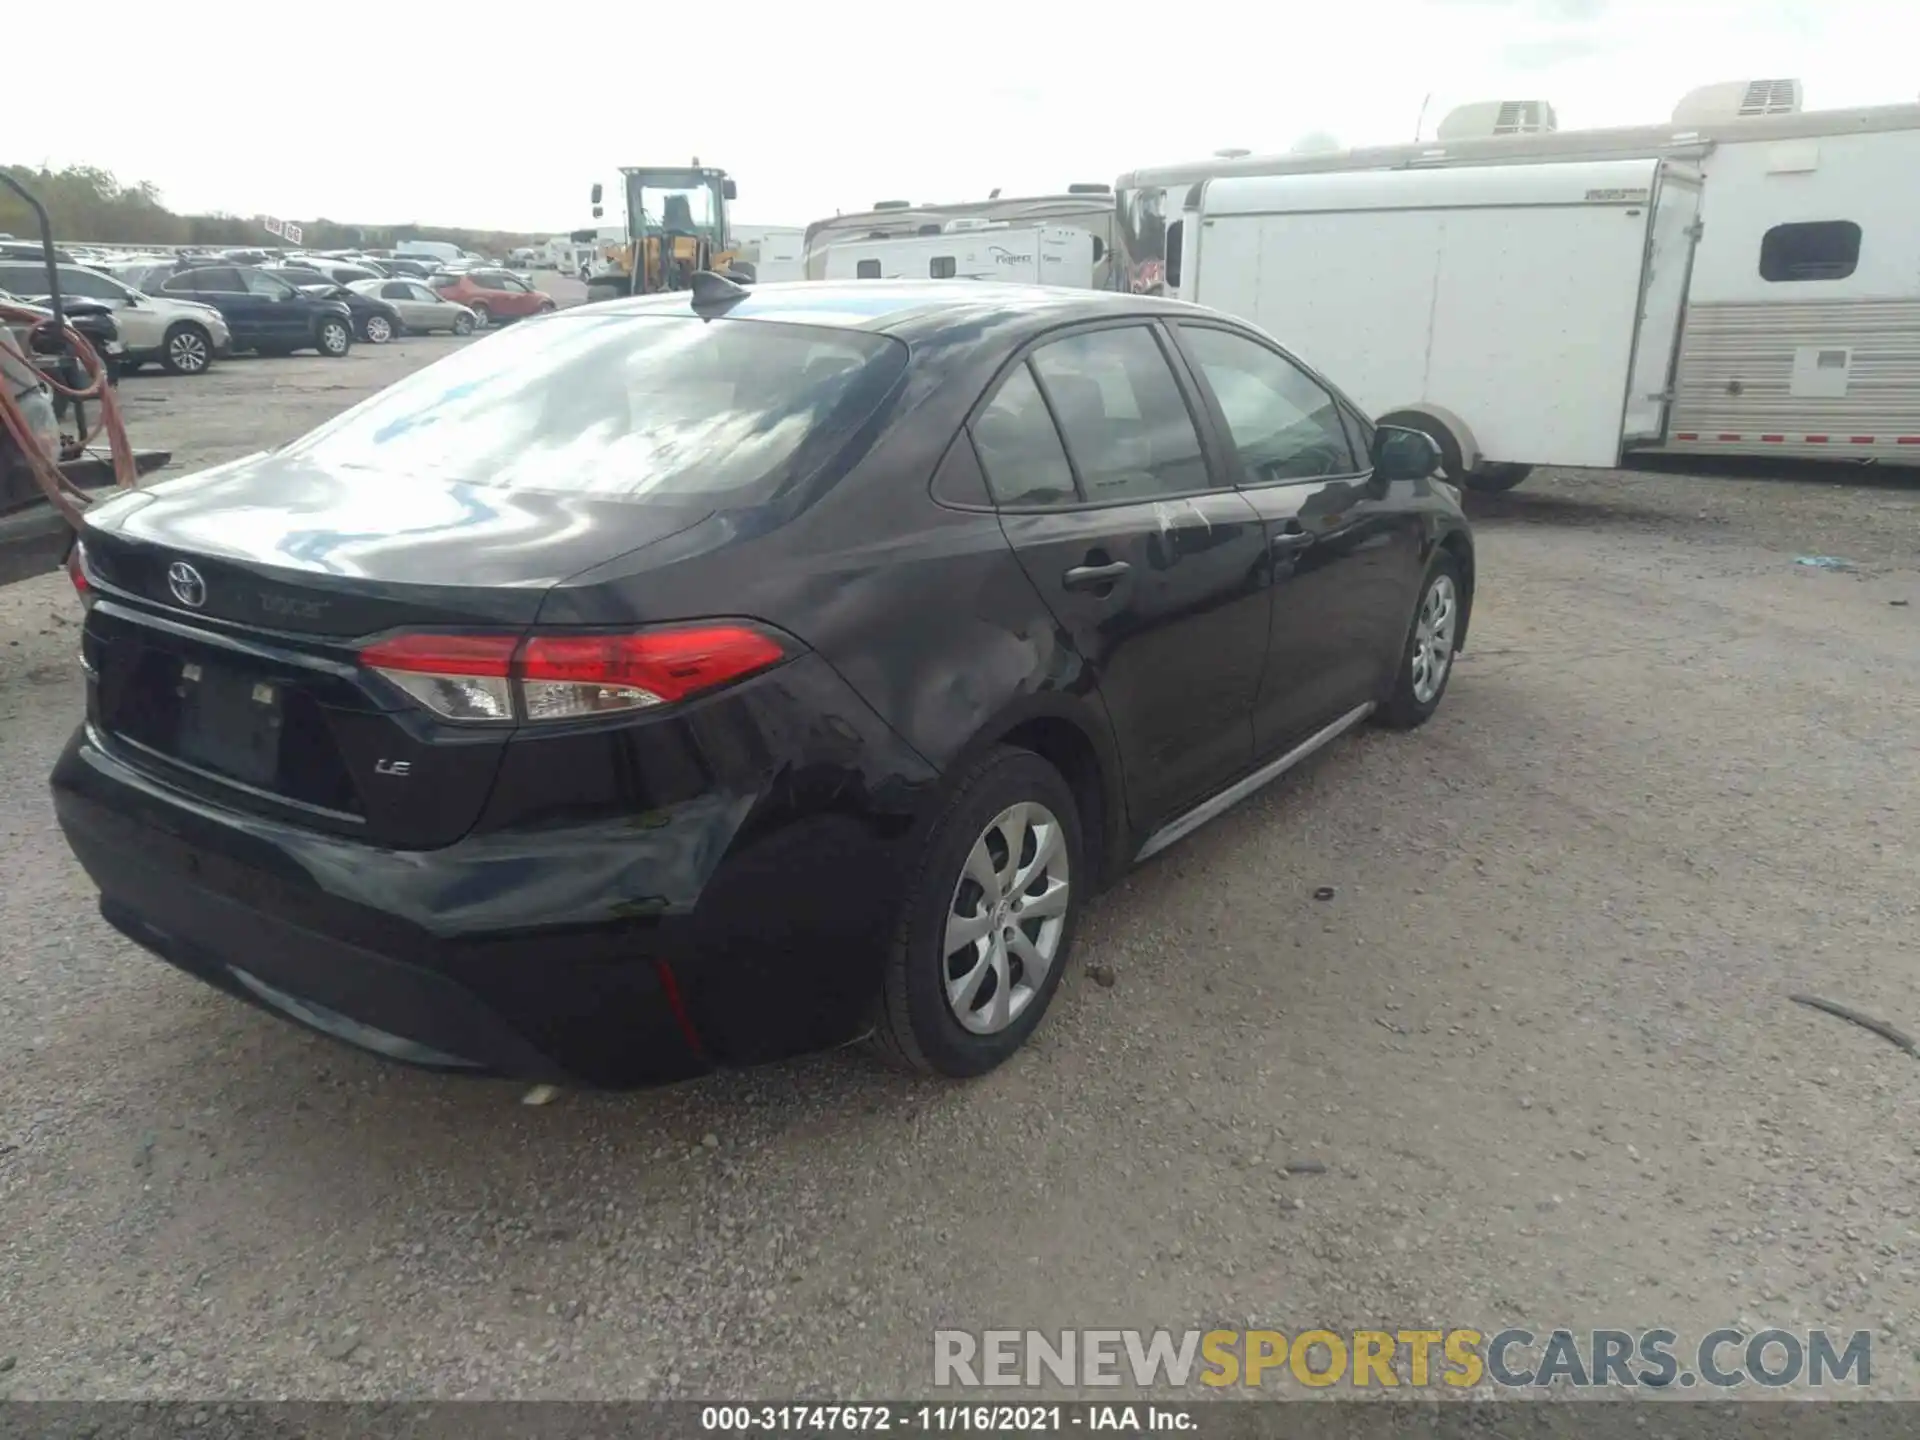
695 680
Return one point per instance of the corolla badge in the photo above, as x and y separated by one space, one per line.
187 586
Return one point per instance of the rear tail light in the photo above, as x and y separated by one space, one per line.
77 572
502 679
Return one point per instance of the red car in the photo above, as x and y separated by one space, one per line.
493 295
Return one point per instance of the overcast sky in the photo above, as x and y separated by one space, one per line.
453 117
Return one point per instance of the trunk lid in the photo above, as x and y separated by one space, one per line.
230 608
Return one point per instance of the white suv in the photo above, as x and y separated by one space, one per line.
182 336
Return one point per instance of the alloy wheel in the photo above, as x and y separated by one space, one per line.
188 352
1433 635
1006 919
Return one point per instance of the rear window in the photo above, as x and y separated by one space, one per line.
623 405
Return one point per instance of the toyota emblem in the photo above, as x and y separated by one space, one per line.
187 586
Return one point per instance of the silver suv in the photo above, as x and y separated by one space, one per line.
183 336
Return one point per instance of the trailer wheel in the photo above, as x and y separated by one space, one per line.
1452 462
1492 479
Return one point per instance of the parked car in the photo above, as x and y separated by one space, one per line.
265 313
493 295
90 317
183 336
421 310
694 681
401 267
374 320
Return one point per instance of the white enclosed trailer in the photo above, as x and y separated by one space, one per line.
1801 333
1035 255
1523 315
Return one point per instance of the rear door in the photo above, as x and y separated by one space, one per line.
1343 552
1671 239
1152 569
221 287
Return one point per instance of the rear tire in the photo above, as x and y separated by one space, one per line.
463 324
482 317
990 900
1426 657
186 350
378 330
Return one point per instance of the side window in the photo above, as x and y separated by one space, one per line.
1019 448
419 292
1815 250
942 267
258 282
867 270
19 279
1176 234
397 290
86 283
1125 423
1284 425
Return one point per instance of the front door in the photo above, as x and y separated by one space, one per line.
1151 569
1344 550
284 315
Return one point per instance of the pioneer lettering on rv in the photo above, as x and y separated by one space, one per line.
1007 257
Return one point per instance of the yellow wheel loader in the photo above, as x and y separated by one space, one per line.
676 227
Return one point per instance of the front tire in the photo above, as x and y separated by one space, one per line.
1426 659
377 331
186 350
986 928
334 339
463 324
482 317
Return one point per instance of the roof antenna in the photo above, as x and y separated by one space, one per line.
713 291
994 194
1421 123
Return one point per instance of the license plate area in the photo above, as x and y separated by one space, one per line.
229 722
245 724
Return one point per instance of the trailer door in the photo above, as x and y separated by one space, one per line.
1663 302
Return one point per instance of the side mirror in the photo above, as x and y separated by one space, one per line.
1403 454
729 190
597 193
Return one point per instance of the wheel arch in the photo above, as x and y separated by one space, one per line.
1458 544
1071 735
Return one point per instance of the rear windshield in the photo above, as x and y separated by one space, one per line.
623 405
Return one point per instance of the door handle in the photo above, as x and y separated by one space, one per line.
1092 577
1289 541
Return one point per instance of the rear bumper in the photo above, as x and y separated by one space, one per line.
732 927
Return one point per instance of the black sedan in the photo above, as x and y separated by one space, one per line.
682 682
374 320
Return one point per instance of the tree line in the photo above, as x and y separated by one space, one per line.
90 206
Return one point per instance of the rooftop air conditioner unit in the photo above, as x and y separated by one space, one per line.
1739 100
1485 118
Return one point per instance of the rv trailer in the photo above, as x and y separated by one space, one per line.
1080 207
1800 334
1030 255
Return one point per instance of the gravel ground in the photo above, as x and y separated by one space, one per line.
1539 1036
